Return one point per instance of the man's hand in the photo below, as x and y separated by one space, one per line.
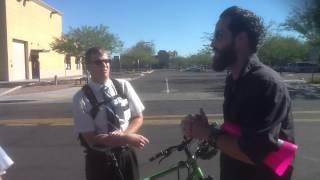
136 140
117 133
196 126
118 138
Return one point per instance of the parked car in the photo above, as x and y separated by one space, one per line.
193 69
278 68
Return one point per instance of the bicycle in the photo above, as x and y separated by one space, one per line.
203 151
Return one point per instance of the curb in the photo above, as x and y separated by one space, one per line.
10 90
15 88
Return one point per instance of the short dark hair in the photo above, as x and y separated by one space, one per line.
242 20
93 50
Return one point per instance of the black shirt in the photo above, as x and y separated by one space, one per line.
259 103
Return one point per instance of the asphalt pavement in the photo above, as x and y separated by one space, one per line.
36 125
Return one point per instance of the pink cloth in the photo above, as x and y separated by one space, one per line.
278 160
231 128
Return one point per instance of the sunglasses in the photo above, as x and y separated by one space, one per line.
101 62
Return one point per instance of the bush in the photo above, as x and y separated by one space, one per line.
316 80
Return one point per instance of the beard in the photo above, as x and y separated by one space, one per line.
223 58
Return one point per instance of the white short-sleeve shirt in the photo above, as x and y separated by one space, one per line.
83 122
5 161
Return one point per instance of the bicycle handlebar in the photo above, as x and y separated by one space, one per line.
168 151
204 150
158 155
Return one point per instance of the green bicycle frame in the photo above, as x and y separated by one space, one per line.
193 169
191 165
196 172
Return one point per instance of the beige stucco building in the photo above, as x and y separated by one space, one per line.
27 27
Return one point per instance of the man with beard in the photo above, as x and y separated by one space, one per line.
256 103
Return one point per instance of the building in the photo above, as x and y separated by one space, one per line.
27 28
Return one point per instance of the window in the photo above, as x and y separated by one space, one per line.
78 62
67 62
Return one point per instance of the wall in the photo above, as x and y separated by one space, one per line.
37 24
3 42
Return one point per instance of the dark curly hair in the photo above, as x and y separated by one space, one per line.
242 20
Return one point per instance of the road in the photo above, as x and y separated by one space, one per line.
36 129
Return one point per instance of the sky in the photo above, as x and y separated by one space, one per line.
170 24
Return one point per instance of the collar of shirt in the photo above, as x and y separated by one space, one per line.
96 87
252 63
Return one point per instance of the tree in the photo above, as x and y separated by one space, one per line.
141 55
78 40
278 50
164 58
305 20
179 62
173 54
202 58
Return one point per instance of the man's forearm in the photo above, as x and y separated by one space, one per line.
104 139
134 124
229 145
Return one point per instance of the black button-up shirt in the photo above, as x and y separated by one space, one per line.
259 103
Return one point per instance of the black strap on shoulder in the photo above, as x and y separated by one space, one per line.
92 99
95 104
93 112
119 88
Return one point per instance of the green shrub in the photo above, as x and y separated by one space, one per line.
316 80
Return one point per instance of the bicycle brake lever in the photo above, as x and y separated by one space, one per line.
166 154
162 159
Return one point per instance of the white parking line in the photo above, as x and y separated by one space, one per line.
167 86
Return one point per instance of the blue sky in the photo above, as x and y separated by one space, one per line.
171 24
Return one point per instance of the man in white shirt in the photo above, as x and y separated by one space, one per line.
107 126
5 162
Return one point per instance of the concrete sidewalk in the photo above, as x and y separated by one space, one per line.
47 85
11 87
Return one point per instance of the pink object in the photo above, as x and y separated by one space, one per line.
278 160
231 128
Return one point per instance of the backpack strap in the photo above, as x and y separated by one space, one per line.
93 112
119 89
95 104
92 99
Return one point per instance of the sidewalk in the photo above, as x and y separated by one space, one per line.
295 83
46 85
30 86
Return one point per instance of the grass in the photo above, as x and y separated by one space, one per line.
315 80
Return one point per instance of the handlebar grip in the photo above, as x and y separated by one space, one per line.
161 153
